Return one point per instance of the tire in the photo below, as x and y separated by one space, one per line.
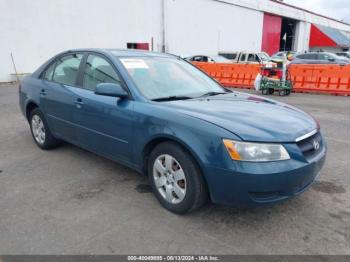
282 92
40 131
271 91
265 91
179 192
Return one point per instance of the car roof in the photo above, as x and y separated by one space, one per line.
313 53
122 52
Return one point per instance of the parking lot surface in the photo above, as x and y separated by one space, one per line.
70 201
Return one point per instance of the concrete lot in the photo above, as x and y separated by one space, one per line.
69 201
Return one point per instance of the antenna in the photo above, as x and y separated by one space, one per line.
14 67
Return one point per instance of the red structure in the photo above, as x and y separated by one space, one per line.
272 27
318 38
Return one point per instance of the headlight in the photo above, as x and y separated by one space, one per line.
255 152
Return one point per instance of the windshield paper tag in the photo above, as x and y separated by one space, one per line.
130 63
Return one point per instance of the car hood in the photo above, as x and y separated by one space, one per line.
250 117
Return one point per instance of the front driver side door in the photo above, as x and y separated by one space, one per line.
104 123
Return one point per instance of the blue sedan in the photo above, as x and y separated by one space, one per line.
163 117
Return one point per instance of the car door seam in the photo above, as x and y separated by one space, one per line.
89 129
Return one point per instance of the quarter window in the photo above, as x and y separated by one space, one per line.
48 73
67 68
98 71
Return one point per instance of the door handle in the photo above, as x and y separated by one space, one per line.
79 103
43 92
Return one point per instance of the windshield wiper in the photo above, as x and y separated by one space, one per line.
171 98
213 94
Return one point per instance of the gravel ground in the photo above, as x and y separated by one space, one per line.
70 201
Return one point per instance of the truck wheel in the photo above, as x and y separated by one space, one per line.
265 91
282 92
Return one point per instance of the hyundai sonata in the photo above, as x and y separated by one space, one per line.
160 115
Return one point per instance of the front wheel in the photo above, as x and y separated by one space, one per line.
175 178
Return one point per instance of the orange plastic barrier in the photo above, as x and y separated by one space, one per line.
330 79
231 75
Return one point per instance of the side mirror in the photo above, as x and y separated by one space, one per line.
109 89
331 59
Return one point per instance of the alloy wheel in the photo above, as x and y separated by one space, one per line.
38 129
169 178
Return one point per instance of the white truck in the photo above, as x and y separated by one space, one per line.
248 58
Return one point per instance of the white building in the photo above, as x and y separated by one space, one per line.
35 30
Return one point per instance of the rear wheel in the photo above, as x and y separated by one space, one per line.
40 130
175 178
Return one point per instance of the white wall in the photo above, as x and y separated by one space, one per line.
302 37
35 30
283 10
206 27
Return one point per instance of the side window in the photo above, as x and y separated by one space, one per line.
97 71
48 73
66 70
324 57
204 59
197 59
305 56
253 58
242 58
312 56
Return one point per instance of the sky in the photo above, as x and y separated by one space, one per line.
338 9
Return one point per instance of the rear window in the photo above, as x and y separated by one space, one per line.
231 56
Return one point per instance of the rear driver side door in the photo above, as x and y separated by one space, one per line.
57 98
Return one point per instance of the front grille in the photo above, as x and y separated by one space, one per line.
308 146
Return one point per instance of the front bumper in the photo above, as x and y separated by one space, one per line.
255 184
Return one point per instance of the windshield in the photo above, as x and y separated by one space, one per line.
264 56
330 55
161 77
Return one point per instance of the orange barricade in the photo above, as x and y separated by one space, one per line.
330 79
231 75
